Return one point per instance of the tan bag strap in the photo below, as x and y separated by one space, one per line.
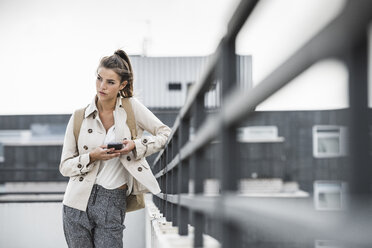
131 120
78 120
126 104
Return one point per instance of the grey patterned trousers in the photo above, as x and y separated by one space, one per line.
102 224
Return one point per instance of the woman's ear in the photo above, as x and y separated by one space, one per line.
123 84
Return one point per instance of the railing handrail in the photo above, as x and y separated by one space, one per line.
344 38
346 26
247 101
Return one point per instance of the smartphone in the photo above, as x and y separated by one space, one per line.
116 145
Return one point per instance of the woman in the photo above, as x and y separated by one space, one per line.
100 178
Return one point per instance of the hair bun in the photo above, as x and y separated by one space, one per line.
121 54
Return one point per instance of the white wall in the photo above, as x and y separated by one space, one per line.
40 225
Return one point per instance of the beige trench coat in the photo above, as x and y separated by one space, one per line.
75 160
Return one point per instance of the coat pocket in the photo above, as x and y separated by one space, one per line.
115 214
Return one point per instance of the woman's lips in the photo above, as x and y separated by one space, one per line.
102 93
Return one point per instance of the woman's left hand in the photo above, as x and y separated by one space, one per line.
128 146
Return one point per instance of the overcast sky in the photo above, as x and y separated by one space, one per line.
50 49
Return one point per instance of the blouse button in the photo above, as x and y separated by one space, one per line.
128 158
139 169
90 130
79 166
85 147
81 179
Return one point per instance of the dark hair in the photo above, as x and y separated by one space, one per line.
119 62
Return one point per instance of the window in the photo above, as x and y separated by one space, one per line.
174 86
329 141
259 134
329 195
39 134
39 129
14 136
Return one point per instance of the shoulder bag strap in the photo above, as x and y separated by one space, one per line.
131 120
78 120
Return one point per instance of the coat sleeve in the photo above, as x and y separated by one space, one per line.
146 120
73 164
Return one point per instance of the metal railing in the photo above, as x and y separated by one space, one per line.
245 220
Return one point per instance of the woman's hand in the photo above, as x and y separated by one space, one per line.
128 146
102 153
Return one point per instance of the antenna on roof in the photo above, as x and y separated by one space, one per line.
147 39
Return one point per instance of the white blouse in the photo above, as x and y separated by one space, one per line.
111 173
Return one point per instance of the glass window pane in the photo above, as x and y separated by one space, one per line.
329 145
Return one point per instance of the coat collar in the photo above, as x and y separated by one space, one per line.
120 117
92 107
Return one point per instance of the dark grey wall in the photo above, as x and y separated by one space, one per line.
291 160
41 162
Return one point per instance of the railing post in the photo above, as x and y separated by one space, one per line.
230 156
361 170
198 170
168 180
230 162
164 188
174 151
183 178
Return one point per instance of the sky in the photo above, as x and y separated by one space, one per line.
50 49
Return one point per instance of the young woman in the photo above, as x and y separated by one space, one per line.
94 203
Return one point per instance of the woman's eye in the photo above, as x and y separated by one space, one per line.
111 82
98 78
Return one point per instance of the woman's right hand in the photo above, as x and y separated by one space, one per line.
102 153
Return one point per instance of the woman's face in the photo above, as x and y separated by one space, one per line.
108 84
